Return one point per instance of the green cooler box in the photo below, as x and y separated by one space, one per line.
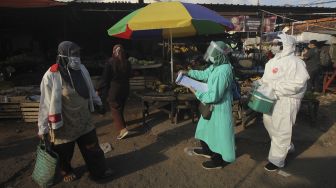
258 102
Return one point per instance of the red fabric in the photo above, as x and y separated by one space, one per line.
126 34
54 118
275 70
54 68
28 3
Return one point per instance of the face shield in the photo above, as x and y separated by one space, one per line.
216 49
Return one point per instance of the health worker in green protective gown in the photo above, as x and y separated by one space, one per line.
216 134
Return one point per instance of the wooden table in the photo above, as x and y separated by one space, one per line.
153 99
186 101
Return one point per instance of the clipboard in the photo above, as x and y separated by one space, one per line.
188 82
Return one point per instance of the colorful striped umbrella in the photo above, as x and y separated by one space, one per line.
169 20
165 19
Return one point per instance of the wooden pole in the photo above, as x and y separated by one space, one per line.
261 29
171 58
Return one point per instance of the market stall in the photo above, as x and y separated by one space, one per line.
174 19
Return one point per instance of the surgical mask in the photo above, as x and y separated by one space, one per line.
74 63
211 59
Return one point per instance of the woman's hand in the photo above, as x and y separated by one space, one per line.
183 72
43 136
192 90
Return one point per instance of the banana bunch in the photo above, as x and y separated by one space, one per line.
181 90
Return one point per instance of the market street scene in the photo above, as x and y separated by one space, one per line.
146 93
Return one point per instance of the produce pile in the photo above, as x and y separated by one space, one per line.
184 49
160 87
181 90
135 61
246 86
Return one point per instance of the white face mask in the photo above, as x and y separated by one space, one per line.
74 63
212 59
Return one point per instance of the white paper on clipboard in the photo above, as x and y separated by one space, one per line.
189 82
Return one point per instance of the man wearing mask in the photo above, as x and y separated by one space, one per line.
287 76
312 60
217 133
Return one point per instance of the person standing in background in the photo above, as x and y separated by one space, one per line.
312 60
114 87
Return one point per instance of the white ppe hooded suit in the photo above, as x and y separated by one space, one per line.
286 74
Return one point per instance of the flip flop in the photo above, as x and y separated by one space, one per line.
70 177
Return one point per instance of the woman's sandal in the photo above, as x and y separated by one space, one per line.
70 177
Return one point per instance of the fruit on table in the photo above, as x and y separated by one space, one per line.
135 61
162 88
181 90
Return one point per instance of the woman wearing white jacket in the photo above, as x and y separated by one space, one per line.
286 74
67 97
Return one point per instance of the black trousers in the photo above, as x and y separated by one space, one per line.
215 157
89 147
314 83
117 99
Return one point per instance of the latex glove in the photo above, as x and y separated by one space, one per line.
257 83
267 90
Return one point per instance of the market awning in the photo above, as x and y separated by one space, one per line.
29 3
99 1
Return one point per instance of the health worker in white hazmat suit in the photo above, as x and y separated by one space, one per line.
286 74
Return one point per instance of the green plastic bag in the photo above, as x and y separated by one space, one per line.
46 165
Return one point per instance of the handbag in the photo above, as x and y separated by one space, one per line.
46 164
205 110
235 88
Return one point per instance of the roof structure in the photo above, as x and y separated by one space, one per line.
99 1
29 3
323 25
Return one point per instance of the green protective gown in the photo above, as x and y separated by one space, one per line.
218 132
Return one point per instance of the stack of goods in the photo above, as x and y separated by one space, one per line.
181 90
135 61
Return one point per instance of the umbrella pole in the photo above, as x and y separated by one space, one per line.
171 58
